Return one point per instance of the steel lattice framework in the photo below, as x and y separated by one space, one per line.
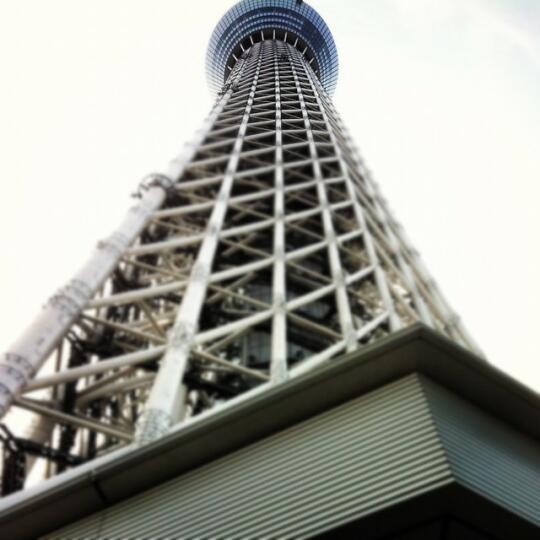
264 251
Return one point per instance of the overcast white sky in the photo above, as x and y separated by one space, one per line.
442 96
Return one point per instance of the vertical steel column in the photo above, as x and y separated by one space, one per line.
380 277
26 356
383 216
408 258
164 405
278 366
338 277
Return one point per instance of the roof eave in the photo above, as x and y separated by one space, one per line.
122 474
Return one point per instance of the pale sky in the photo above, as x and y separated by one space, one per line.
442 96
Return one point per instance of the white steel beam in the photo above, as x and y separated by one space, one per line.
342 300
164 405
278 362
26 356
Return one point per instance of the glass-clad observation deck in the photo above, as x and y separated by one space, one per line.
251 21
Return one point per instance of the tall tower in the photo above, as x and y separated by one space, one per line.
264 257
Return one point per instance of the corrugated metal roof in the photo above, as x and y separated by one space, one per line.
487 456
395 443
133 470
350 461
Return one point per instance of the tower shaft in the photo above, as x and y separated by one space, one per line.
258 351
264 253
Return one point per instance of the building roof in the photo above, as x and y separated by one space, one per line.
107 480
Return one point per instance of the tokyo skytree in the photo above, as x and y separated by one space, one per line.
262 256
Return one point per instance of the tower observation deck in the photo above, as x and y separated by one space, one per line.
264 255
253 21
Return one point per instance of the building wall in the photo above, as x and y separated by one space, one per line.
487 456
400 441
345 463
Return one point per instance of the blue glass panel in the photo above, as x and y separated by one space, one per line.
250 16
